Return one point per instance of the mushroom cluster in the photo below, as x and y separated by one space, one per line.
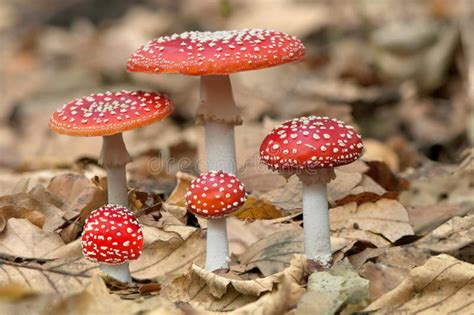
309 147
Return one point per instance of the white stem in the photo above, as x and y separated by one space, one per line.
119 272
217 250
220 147
317 243
114 157
218 113
117 186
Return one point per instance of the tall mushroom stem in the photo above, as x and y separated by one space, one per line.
219 114
317 245
217 249
114 157
120 272
317 238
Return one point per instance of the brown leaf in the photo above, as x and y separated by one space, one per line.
168 254
218 284
426 218
22 238
376 151
257 209
219 293
60 276
11 211
387 267
385 217
449 237
443 285
273 253
243 234
37 201
77 193
177 197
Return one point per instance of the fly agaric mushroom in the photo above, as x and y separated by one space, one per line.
214 195
213 56
112 236
108 115
311 147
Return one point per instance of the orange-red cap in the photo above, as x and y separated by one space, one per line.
215 194
109 113
216 53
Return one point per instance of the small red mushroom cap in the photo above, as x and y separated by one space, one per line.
308 143
215 194
112 235
109 113
223 52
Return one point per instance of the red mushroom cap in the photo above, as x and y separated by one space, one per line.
215 194
310 143
223 52
108 113
112 235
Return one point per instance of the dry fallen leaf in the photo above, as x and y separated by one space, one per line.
257 209
61 276
219 293
165 259
385 268
384 217
36 200
19 212
22 238
450 237
243 234
273 253
443 285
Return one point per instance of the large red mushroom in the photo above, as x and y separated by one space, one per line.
112 237
311 147
215 195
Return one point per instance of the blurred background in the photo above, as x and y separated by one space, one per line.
401 71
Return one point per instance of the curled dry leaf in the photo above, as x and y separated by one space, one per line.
443 285
384 217
218 284
37 200
218 293
12 211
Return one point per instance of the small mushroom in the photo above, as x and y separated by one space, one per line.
108 115
112 237
213 196
311 147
